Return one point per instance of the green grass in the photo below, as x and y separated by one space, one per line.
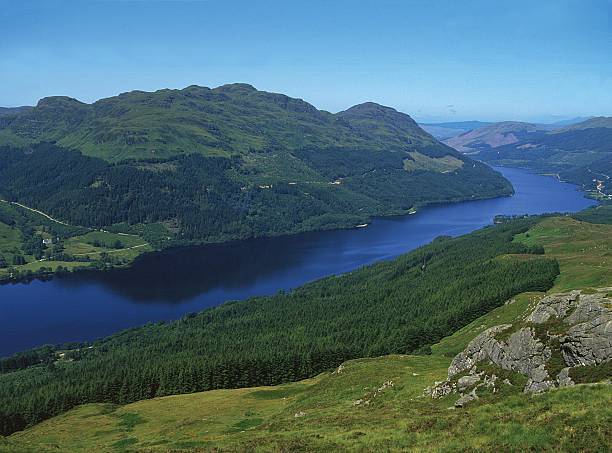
583 250
10 241
420 161
83 250
506 314
396 418
94 243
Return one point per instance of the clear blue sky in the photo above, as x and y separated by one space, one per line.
436 60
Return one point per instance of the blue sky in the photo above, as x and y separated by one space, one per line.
435 60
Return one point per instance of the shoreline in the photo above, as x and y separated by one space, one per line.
46 275
177 245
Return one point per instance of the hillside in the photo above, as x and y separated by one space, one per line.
209 165
229 120
492 136
591 123
286 337
13 110
379 403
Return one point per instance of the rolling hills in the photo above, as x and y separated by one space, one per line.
443 131
209 165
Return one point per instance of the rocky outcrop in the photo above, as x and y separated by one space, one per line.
562 332
589 339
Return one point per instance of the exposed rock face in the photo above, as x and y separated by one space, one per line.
589 339
553 306
574 326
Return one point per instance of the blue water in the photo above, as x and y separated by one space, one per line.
167 285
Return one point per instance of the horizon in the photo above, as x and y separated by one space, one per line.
425 123
437 63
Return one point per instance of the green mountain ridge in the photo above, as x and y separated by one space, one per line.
231 162
227 120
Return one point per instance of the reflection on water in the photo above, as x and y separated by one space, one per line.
169 284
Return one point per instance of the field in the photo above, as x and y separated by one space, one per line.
583 250
22 232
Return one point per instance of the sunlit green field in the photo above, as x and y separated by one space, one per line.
79 250
583 250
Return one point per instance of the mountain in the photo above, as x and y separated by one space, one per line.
569 122
580 153
489 343
226 163
443 131
591 123
230 120
446 131
14 110
492 136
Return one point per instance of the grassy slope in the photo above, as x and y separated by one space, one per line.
228 120
397 417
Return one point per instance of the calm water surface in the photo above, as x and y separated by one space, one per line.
167 285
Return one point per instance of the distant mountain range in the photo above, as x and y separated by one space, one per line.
492 136
581 153
229 162
445 131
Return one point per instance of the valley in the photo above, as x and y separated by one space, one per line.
302 227
168 284
329 411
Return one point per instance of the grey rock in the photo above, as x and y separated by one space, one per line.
589 339
440 389
586 340
556 305
464 399
467 381
538 386
563 378
523 353
480 348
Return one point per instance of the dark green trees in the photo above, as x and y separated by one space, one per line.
399 306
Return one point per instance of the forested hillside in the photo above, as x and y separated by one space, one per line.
399 306
231 162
